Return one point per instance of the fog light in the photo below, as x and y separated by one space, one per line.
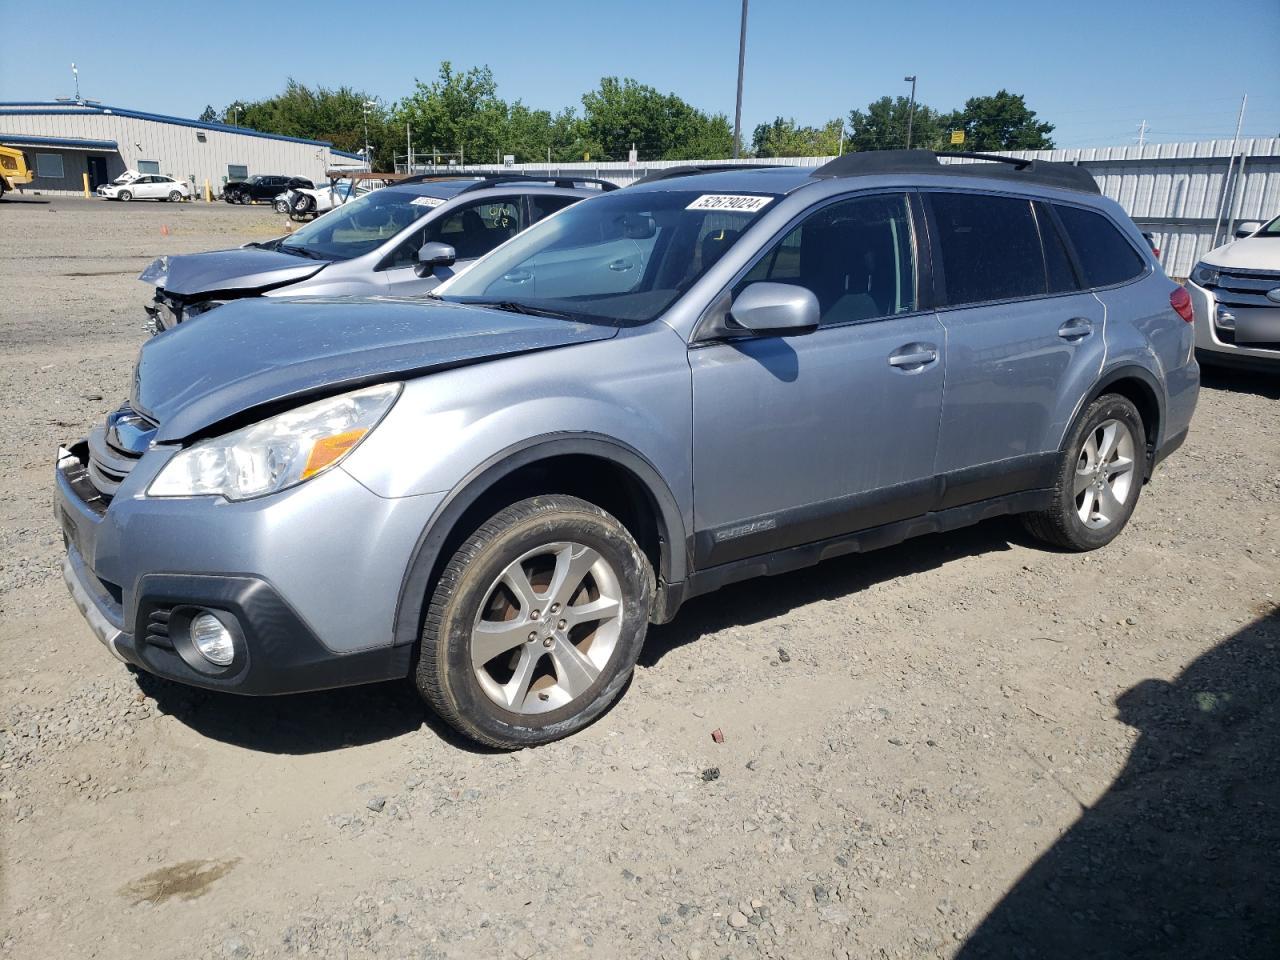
1226 319
212 639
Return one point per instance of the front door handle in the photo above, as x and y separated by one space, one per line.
914 356
621 266
518 276
1077 328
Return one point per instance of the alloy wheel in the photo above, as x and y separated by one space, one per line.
547 628
1105 473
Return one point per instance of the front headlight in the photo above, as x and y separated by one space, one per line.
278 453
1205 275
157 273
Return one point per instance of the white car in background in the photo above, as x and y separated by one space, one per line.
1235 293
300 202
131 185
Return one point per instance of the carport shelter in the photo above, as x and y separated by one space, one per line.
59 163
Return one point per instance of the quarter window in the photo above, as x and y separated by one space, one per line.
990 247
1105 255
856 256
49 165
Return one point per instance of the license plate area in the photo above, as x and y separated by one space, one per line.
1258 327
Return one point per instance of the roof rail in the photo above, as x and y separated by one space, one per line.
1066 176
484 180
692 169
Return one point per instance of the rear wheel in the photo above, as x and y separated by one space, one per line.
536 623
1099 478
175 196
282 206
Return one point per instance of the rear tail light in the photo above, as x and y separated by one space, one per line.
1180 300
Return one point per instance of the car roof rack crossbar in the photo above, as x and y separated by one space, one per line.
1066 176
693 169
484 180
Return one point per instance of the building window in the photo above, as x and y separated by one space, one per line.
49 165
148 166
237 171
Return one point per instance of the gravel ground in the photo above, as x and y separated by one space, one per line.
964 745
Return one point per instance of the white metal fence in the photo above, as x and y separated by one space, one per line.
1179 192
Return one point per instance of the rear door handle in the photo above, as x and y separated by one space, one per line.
1077 328
914 356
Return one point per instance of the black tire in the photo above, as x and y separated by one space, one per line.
282 206
445 676
175 196
1061 525
125 196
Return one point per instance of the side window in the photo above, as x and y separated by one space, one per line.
856 256
1105 255
990 247
1057 263
472 230
544 205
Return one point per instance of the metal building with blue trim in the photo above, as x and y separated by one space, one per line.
67 140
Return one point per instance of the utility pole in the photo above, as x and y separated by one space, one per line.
1222 201
911 110
365 110
742 63
840 152
408 148
1142 134
76 75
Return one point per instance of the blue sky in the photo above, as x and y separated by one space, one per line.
1095 69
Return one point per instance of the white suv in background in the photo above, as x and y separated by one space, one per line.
148 186
1235 291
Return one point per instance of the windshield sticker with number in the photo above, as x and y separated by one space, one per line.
427 202
730 201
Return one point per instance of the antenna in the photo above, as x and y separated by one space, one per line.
1142 134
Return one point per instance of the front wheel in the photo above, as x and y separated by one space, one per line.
1098 480
282 206
536 623
126 196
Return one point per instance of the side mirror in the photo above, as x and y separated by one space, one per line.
1248 229
433 255
780 309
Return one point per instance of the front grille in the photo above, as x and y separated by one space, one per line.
1245 288
115 447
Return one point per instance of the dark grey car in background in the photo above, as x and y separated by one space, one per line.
658 391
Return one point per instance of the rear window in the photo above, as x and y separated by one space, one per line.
1104 254
990 247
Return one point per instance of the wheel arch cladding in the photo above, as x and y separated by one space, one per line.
1140 387
596 469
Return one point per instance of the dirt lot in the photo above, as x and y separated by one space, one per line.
962 745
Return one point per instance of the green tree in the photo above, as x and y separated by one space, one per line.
783 138
999 122
620 112
883 126
319 113
458 112
209 115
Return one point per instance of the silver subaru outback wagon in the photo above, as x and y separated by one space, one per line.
698 379
402 240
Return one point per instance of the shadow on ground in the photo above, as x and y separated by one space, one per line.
1239 380
304 722
765 598
1181 856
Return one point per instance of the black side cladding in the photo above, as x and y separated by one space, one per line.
1065 176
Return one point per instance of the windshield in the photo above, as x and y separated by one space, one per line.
1271 229
622 258
357 227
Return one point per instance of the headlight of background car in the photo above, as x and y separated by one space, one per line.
157 273
1204 275
277 453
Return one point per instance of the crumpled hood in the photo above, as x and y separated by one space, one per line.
257 352
244 268
1250 253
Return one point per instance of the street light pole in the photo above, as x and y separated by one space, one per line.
742 62
364 107
911 110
